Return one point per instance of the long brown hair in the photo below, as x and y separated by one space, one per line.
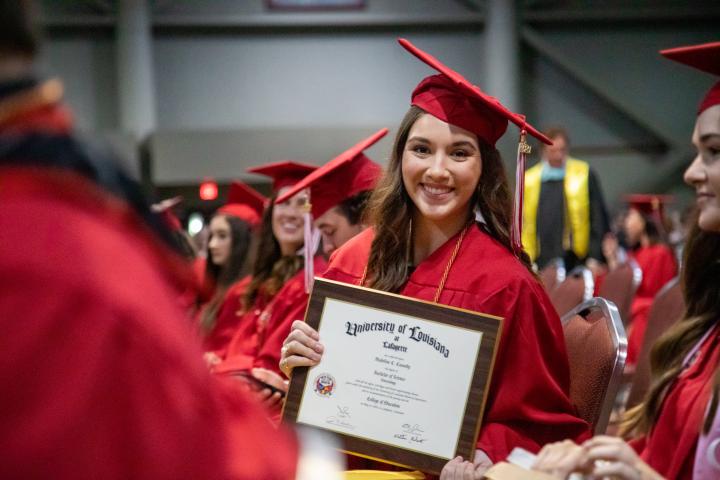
225 276
701 289
271 269
390 210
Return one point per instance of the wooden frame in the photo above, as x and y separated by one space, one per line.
490 326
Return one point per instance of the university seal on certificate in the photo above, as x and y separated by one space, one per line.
401 380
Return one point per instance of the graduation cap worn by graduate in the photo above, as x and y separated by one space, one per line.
652 205
453 99
287 174
283 174
245 203
704 57
346 175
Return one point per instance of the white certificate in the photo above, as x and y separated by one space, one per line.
392 377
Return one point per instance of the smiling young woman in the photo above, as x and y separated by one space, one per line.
231 231
442 230
277 260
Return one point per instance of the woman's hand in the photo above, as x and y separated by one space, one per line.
612 457
560 459
610 248
301 348
457 469
269 398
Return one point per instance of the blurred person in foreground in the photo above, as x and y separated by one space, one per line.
100 372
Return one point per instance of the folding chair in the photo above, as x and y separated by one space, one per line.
578 287
666 310
597 349
620 285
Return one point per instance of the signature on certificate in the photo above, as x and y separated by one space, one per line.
340 418
412 433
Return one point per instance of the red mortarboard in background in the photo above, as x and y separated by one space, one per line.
346 175
284 173
453 99
651 205
245 203
704 57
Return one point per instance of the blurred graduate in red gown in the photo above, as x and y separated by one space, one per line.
231 230
279 261
338 214
645 232
100 373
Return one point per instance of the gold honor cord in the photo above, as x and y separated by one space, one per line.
448 266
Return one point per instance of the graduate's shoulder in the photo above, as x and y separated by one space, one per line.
350 260
485 257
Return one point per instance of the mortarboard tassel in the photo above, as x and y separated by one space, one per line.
310 243
516 234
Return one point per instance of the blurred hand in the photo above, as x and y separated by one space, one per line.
211 359
457 469
301 348
271 378
614 458
610 249
595 267
270 400
560 459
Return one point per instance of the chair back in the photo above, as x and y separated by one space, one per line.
667 309
597 349
620 285
552 274
576 288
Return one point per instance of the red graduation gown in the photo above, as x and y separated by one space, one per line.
263 329
226 323
658 266
670 447
528 403
100 371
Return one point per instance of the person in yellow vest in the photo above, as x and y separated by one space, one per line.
564 214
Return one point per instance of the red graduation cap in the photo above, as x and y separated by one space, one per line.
651 205
346 175
453 99
704 57
284 173
245 203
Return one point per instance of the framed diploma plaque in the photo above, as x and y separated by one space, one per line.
402 381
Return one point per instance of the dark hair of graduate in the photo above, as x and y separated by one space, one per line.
353 208
652 229
390 211
700 279
19 32
223 276
271 269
